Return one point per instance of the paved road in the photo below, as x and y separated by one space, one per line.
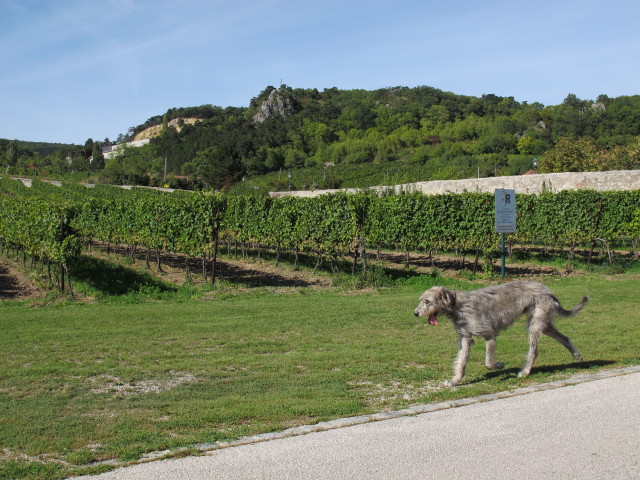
588 430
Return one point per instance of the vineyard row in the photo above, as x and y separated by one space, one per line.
53 223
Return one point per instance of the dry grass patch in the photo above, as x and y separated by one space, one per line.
109 384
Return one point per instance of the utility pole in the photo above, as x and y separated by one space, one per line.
165 171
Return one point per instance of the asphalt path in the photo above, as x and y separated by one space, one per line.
587 428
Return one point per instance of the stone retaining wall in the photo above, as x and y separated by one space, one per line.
536 183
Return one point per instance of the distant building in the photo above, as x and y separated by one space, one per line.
111 151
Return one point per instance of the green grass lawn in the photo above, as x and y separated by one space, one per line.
82 383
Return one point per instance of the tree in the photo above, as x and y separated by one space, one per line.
217 166
135 165
623 157
436 116
188 169
88 148
294 158
532 145
574 118
11 154
571 155
274 159
97 159
114 170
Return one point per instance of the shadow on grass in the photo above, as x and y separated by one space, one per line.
112 279
547 369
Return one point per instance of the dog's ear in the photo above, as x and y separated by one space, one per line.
447 297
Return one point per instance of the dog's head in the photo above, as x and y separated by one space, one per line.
434 301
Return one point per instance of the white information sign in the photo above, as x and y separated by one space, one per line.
505 210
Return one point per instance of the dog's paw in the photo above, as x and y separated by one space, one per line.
523 374
577 357
449 383
496 366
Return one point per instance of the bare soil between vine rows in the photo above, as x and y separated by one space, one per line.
250 272
16 285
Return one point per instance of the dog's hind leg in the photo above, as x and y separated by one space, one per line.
535 330
553 332
490 359
465 344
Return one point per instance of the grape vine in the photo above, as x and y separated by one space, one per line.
52 223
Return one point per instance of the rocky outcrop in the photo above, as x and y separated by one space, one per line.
156 130
275 104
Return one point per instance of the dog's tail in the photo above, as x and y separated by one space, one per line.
570 313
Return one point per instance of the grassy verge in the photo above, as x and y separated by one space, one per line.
85 383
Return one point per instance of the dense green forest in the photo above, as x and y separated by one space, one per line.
304 138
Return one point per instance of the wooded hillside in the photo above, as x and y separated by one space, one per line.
342 138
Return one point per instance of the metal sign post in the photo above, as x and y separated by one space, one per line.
505 202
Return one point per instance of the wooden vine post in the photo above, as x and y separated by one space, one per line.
214 257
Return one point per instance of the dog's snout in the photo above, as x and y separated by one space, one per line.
416 313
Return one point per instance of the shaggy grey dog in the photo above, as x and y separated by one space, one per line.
487 311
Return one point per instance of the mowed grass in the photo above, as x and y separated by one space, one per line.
86 383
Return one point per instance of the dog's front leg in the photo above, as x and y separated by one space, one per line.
490 359
465 344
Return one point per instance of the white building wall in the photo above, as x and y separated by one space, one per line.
116 148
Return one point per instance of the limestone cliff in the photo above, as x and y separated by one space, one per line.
276 104
156 130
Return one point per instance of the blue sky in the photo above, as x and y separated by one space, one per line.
78 69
